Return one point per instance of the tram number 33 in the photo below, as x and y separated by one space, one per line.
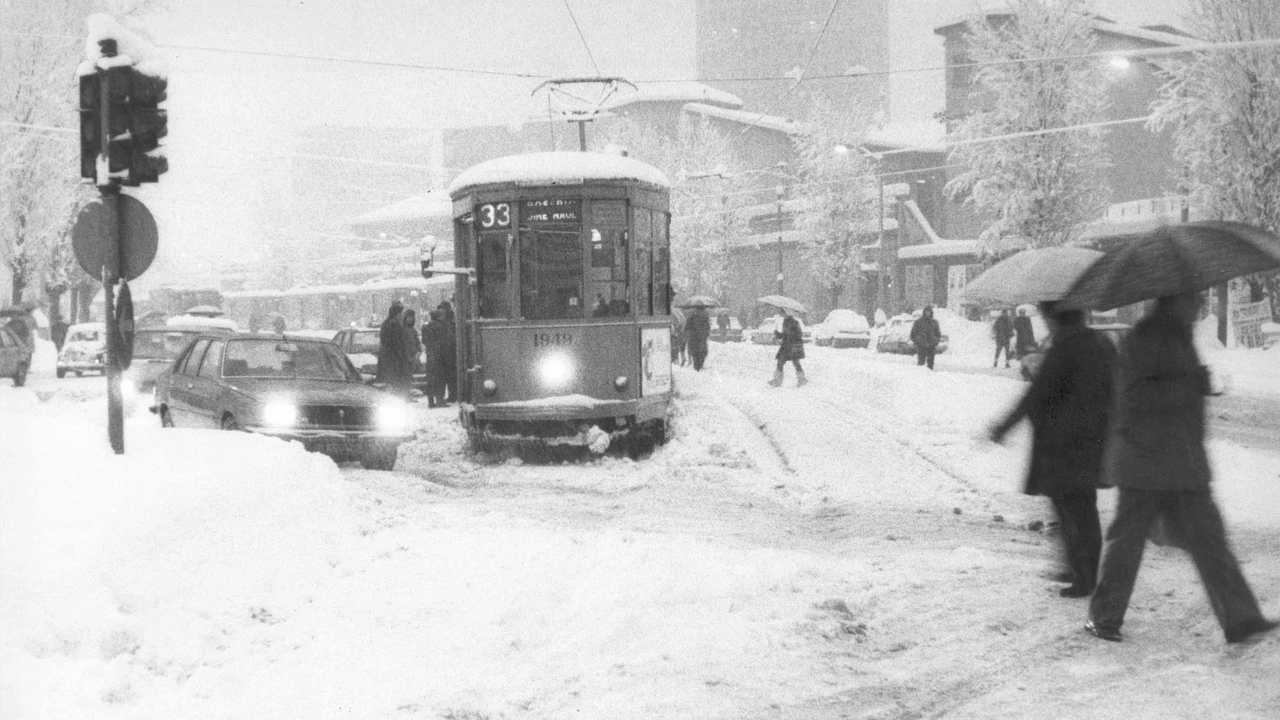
495 215
552 339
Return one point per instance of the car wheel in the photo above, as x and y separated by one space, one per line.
61 373
166 420
229 423
20 376
379 458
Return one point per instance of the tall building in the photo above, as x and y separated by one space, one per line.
739 42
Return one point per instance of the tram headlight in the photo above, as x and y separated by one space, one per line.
556 370
620 383
490 387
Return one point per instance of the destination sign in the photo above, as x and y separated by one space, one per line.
551 212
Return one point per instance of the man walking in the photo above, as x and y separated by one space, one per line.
697 332
925 335
1002 331
1025 335
1067 404
1156 457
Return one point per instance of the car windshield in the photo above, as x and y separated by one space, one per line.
160 344
273 358
364 342
84 336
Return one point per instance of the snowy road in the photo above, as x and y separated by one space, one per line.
845 549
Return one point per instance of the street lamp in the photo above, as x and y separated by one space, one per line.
781 191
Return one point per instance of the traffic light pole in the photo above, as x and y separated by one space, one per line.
110 270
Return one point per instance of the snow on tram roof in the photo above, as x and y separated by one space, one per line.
555 168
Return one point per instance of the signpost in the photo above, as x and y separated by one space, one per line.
115 239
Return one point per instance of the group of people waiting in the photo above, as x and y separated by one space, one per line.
1018 330
1133 420
401 353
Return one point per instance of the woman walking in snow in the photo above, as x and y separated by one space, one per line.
791 349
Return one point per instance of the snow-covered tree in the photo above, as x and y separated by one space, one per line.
707 194
1224 110
1041 187
838 194
42 45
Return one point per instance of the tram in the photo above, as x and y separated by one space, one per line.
564 316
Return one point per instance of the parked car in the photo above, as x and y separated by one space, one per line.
15 357
154 350
84 350
1031 362
895 336
764 335
842 329
296 389
733 333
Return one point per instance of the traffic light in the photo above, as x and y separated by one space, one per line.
117 81
90 125
147 124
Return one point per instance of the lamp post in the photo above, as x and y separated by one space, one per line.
781 192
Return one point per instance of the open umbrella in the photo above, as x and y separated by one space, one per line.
1032 275
699 301
784 302
1174 259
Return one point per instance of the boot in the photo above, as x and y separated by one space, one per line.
800 378
777 378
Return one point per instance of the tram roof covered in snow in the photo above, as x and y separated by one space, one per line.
557 168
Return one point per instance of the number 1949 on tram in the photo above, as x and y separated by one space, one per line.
564 322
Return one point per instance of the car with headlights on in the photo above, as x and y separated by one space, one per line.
292 388
154 350
84 350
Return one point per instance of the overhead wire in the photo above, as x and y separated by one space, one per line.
582 37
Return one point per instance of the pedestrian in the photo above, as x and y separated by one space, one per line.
58 332
450 353
1002 331
679 340
277 324
697 332
1067 404
925 335
412 344
1156 457
390 347
791 349
433 337
1024 334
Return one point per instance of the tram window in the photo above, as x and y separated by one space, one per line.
551 274
642 262
493 284
661 266
607 276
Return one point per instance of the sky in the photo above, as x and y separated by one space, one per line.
235 100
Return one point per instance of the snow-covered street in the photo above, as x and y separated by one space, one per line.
845 549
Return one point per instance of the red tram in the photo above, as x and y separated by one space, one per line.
564 319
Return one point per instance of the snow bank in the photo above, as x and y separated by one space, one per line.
121 573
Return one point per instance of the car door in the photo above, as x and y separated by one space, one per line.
205 387
181 385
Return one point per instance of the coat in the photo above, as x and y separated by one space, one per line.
391 350
698 329
926 333
1002 330
792 347
435 338
1068 404
1156 441
1025 332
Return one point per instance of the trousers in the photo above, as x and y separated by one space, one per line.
1081 534
1194 518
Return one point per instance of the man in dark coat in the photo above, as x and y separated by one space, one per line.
412 344
1024 335
925 335
1002 331
697 331
435 338
450 353
1156 457
391 346
1067 404
791 349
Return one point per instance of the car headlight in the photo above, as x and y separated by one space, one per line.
280 413
127 387
489 386
393 416
556 370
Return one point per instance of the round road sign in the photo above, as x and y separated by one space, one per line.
139 238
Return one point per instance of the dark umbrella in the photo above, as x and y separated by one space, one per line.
1032 275
1171 260
701 301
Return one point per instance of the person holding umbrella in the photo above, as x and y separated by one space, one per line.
1156 457
697 331
1067 405
791 349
